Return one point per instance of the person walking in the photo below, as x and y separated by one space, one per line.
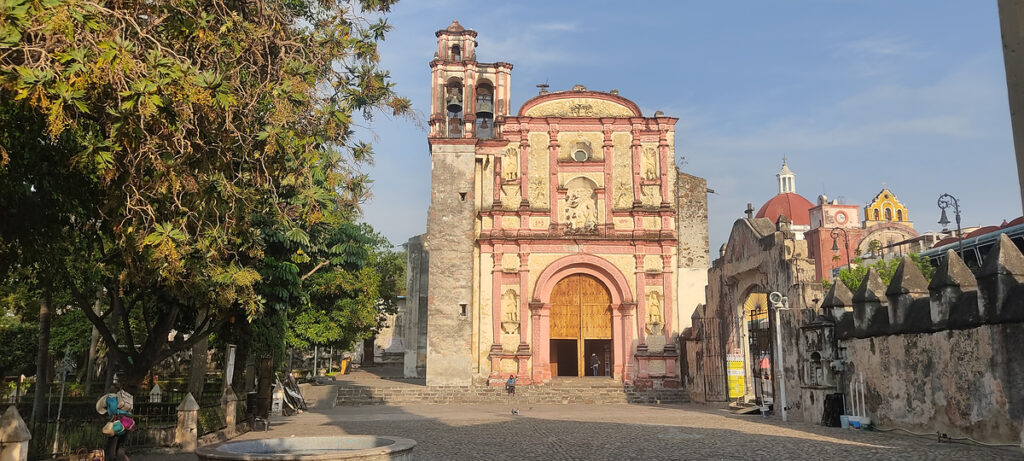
510 389
595 363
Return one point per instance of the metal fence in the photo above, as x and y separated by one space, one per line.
80 427
713 361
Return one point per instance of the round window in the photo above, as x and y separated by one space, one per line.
580 156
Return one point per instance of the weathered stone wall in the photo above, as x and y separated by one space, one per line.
759 257
959 382
940 356
804 400
414 313
692 256
450 243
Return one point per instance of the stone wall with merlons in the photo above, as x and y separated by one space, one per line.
942 356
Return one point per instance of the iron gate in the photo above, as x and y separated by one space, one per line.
761 360
713 361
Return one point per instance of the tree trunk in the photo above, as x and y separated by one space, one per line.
42 359
90 371
197 373
113 364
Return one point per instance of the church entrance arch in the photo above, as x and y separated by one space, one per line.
581 327
614 295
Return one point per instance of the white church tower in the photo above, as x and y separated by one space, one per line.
787 180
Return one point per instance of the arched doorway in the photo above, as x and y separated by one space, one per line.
759 354
581 327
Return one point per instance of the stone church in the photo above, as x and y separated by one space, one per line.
562 240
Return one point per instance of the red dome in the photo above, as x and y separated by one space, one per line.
792 205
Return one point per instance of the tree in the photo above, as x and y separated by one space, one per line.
174 134
349 302
853 274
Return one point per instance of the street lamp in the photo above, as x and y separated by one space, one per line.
945 201
846 241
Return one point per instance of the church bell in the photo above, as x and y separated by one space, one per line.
454 100
484 107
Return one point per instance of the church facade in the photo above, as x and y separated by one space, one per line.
562 240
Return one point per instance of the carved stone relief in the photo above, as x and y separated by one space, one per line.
510 196
538 171
622 174
538 190
650 196
655 314
580 212
510 312
579 107
510 164
649 164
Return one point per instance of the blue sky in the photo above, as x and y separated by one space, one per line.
854 93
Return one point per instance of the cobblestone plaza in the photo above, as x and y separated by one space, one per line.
613 432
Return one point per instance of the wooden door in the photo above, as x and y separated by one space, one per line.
580 309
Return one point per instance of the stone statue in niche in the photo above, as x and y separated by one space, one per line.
510 312
510 164
655 317
580 215
650 164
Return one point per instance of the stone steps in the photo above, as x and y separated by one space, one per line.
558 393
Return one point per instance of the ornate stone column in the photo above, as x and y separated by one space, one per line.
663 157
626 310
523 354
496 351
541 324
524 172
641 299
635 148
618 342
667 306
553 174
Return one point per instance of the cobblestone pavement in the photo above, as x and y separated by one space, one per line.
613 432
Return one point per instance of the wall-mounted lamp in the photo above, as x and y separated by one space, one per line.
462 307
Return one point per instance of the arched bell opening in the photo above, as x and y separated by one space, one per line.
484 110
456 53
453 106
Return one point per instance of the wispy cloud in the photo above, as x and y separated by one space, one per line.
881 46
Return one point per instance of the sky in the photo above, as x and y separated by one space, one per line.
855 94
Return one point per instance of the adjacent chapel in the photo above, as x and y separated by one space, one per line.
562 239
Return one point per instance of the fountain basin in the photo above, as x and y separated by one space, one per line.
342 447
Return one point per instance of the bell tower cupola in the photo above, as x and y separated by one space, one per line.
787 180
470 98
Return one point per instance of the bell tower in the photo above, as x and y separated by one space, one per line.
787 180
468 97
468 104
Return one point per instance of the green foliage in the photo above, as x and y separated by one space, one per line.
192 159
348 300
18 346
854 274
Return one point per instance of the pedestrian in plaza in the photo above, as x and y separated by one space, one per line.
595 363
510 389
